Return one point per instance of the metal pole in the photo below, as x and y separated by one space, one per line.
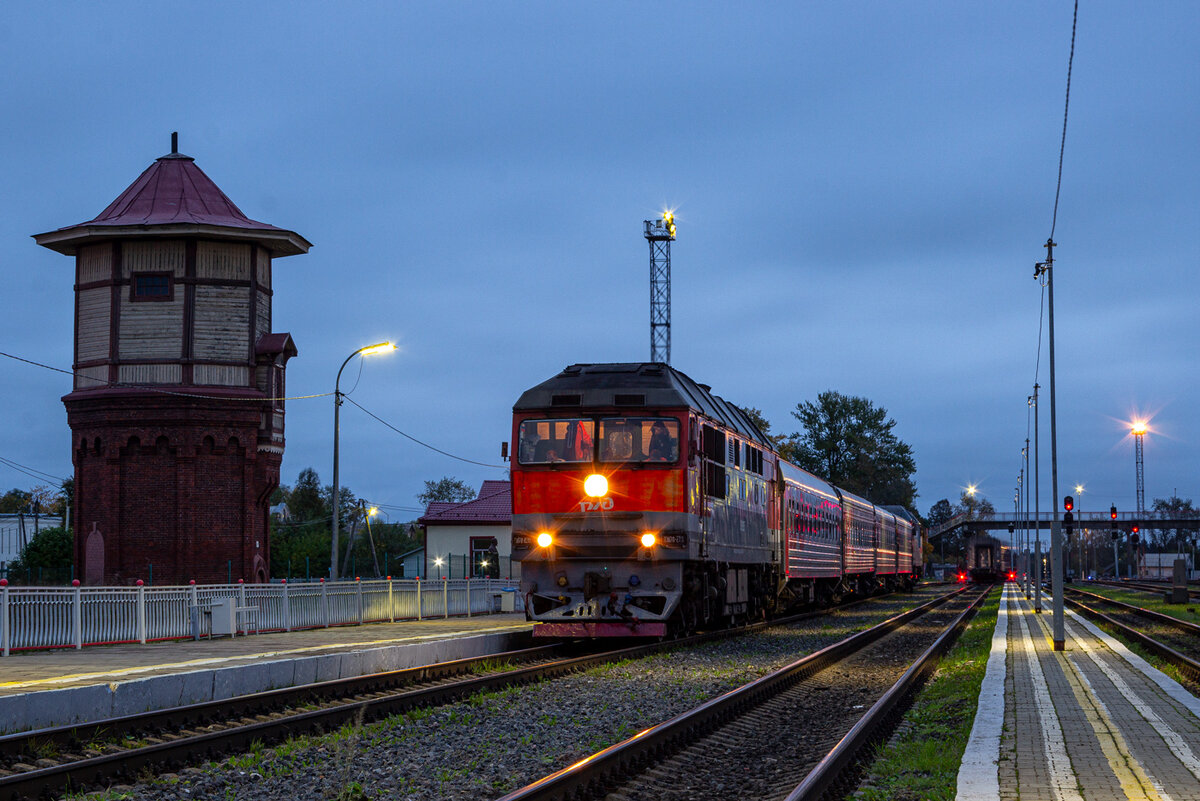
337 406
1028 566
1056 543
1037 510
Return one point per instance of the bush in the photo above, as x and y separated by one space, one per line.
51 551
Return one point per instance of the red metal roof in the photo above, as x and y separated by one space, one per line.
171 197
493 505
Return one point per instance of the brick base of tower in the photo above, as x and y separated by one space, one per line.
171 488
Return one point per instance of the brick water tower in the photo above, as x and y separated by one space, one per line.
176 414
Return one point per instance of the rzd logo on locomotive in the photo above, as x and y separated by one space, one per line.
605 505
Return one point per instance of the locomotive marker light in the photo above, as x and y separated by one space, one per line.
544 540
648 540
596 486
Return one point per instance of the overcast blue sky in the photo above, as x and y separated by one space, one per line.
862 189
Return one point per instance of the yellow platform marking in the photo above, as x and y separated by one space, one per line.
1063 782
1174 741
217 660
1135 783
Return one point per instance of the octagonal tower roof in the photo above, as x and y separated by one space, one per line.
173 197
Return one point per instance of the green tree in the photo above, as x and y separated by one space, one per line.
1165 538
446 490
756 417
51 549
850 442
307 500
940 512
14 501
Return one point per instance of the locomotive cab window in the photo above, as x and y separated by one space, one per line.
639 439
555 441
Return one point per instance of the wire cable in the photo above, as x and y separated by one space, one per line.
31 472
156 389
1066 107
419 442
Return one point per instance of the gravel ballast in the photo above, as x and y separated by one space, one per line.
494 743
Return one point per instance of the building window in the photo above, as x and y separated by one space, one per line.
151 286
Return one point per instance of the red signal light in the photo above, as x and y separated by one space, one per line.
1112 512
1012 576
1068 503
1135 529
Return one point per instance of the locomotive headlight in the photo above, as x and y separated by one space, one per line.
544 539
648 540
596 486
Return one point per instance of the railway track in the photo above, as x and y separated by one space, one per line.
37 764
1157 589
758 742
1174 640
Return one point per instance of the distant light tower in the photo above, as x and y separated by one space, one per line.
660 233
1139 432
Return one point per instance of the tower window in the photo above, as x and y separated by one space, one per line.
151 286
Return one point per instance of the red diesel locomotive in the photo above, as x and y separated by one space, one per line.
644 505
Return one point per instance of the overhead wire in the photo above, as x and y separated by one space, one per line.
156 389
419 442
30 471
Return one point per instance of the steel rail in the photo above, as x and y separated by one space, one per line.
835 764
1185 664
181 747
585 777
1150 614
1144 587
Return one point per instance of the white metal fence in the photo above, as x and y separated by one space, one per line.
72 617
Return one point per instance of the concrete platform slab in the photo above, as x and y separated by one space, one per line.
1092 722
49 688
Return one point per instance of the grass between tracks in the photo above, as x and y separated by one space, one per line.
1189 612
921 760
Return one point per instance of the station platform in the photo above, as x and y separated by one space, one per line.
1094 721
49 688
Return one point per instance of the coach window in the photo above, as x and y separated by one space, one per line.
555 441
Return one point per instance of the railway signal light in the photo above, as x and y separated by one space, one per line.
1011 528
1068 521
1068 503
1112 512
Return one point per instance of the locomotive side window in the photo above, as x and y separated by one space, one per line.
555 441
639 439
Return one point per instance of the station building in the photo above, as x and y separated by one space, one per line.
472 538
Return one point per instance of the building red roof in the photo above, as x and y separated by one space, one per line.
173 197
493 506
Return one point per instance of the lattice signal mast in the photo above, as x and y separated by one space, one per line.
660 233
1139 429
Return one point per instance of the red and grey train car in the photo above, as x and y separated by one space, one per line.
644 505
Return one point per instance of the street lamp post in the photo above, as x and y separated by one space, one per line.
1056 544
1080 529
382 347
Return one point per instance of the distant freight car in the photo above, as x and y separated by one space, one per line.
646 506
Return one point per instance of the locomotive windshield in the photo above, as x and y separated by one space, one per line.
554 441
639 439
622 439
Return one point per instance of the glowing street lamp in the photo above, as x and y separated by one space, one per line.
382 347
